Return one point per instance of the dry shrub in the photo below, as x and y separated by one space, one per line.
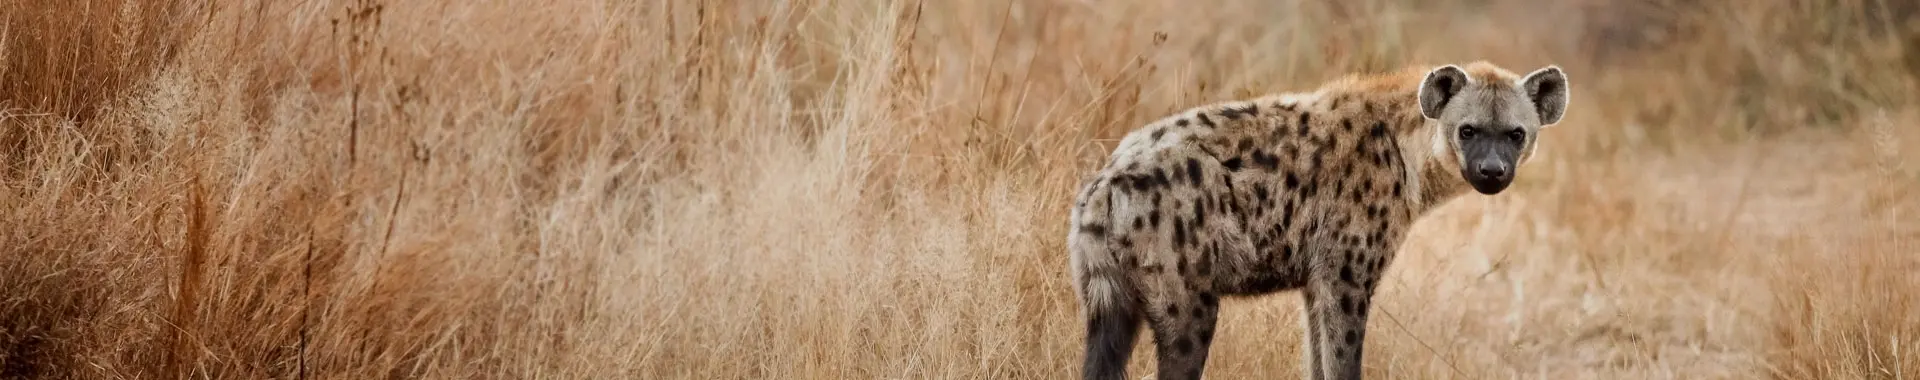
832 189
71 58
1844 302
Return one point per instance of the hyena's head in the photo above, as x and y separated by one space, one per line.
1488 117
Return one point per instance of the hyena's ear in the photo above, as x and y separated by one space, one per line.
1547 87
1439 88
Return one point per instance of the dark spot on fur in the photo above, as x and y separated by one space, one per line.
1286 212
1353 337
1173 310
1265 160
1346 125
1180 234
1245 144
1126 242
1206 336
1204 120
1094 229
1232 164
1140 182
1181 122
1379 130
1182 346
1203 266
1139 222
1193 172
1286 252
1237 112
1181 267
1305 119
1293 181
1152 268
1199 216
1396 189
1153 218
1158 132
1346 304
1346 272
1160 178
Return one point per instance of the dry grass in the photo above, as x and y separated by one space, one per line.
860 189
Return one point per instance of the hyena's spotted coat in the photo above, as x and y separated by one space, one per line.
1309 191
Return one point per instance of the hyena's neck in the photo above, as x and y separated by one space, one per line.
1432 168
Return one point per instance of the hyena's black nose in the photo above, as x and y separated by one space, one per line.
1493 170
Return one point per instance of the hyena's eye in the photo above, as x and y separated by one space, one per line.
1517 135
1467 132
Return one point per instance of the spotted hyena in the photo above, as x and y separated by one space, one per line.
1311 191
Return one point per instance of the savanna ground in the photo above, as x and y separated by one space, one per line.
878 189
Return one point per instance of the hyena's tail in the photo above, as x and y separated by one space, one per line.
1109 302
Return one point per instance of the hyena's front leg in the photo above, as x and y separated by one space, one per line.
1336 310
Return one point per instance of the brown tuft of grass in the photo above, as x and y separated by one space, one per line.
71 58
835 189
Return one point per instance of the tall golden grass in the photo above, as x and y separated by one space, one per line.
877 189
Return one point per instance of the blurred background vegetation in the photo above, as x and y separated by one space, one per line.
878 189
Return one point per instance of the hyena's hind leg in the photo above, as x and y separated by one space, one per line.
1110 303
1183 321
